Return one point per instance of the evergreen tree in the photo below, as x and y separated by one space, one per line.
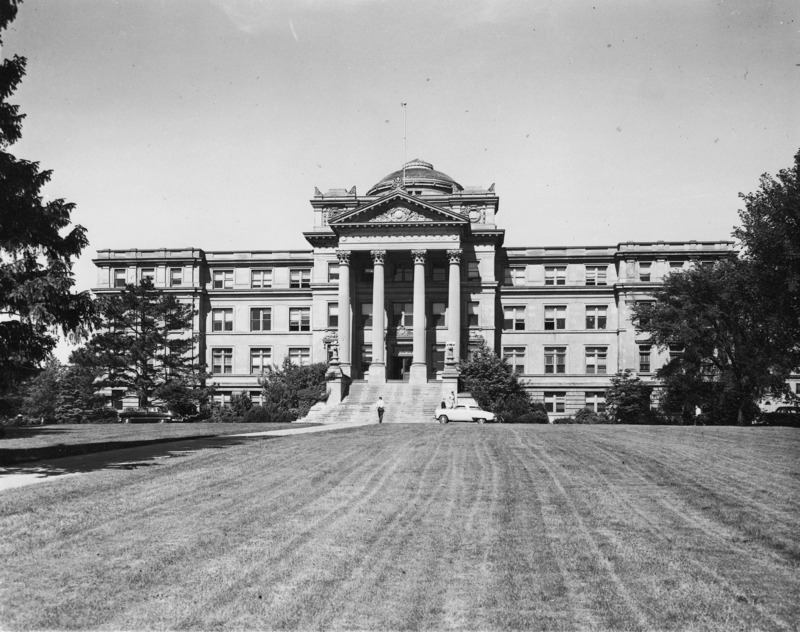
38 246
41 393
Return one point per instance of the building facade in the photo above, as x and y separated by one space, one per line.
413 272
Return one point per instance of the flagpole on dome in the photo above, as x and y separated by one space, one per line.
405 157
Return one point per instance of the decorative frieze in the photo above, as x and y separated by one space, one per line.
400 214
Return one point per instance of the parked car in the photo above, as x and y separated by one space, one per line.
149 415
781 416
463 412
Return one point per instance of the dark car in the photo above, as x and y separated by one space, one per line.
149 415
782 416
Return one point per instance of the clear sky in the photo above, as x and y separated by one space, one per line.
208 123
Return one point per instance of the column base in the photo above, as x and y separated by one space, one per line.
418 373
377 373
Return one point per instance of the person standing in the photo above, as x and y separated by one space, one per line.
451 400
379 406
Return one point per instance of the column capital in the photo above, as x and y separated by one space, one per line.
343 256
378 256
419 256
454 256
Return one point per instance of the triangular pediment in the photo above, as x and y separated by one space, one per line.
398 208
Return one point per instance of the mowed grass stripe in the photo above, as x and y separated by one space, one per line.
416 527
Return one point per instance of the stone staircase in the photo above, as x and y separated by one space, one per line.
405 403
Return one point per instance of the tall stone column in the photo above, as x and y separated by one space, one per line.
377 370
419 369
454 303
345 345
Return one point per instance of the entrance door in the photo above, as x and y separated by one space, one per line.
400 367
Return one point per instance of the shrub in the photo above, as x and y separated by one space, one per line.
256 415
535 417
588 416
278 415
293 389
563 420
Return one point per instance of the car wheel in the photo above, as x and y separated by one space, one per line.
162 421
125 420
443 419
481 420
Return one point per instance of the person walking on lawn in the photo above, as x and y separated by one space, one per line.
380 406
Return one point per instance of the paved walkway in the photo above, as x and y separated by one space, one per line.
25 474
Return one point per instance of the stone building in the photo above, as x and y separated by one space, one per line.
412 272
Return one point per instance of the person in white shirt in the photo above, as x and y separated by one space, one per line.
380 406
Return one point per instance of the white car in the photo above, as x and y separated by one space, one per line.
463 412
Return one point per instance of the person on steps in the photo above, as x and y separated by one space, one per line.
379 407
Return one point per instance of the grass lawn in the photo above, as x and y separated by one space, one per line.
421 527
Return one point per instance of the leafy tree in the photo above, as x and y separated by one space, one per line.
40 398
78 400
293 389
142 346
628 398
37 248
494 386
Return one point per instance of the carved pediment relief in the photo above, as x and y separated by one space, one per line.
397 208
399 214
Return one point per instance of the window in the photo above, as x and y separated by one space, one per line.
222 361
596 360
644 272
403 315
516 358
366 357
437 358
223 399
333 273
473 314
333 314
596 401
514 276
119 278
256 397
299 279
438 317
675 351
555 317
260 359
260 278
555 275
644 358
149 273
438 273
300 356
473 271
555 359
222 319
261 319
555 402
514 318
596 275
175 277
403 272
676 266
596 316
222 279
300 319
366 315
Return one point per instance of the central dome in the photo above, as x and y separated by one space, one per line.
418 173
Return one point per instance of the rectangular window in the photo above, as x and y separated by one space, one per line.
260 278
366 357
222 319
516 358
596 316
300 319
260 360
514 318
261 319
438 318
644 272
555 402
149 273
644 358
596 401
222 279
222 361
676 266
473 271
514 276
596 275
300 356
555 275
555 317
119 278
438 273
675 351
437 358
596 360
555 359
366 315
256 397
403 315
403 272
175 277
333 314
299 279
473 314
223 399
333 273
